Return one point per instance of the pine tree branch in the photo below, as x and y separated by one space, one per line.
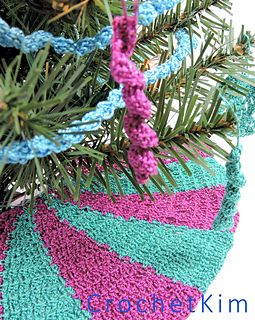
41 93
171 22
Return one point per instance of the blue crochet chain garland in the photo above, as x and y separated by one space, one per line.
39 146
15 38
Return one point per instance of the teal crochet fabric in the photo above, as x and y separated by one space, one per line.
35 282
105 260
244 106
188 246
200 178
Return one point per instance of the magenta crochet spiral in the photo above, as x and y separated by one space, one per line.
125 72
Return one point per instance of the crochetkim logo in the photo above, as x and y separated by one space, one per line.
209 304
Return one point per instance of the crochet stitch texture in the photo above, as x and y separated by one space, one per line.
40 146
55 259
125 72
15 37
244 106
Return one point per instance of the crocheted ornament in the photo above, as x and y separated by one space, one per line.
125 72
123 260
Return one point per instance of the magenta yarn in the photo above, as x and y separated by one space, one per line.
189 208
101 271
124 250
140 132
125 72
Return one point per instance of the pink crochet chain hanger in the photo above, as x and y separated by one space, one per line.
125 72
124 6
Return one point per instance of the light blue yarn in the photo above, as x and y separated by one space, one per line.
149 10
13 37
40 146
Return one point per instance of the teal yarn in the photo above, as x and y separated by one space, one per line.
198 254
244 106
121 250
47 254
50 298
200 178
236 180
